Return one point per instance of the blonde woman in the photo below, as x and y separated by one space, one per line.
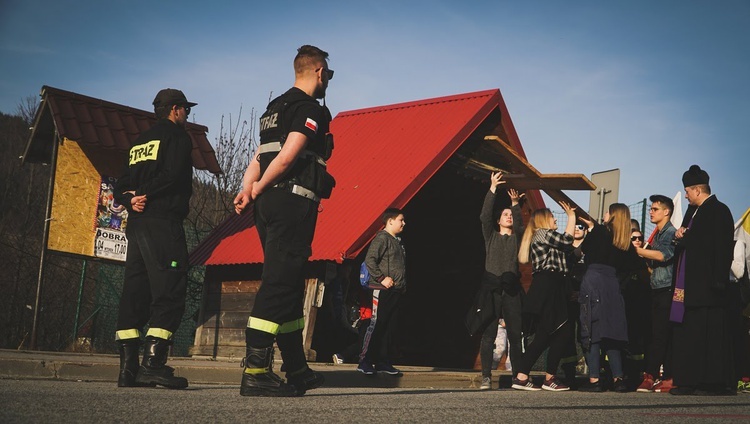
603 322
546 300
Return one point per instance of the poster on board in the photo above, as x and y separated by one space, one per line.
111 221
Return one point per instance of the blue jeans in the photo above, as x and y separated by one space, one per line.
614 355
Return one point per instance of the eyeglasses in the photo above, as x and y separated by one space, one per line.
187 109
654 209
634 238
329 72
580 227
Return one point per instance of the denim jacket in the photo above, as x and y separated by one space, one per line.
661 276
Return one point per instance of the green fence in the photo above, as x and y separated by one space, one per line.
101 324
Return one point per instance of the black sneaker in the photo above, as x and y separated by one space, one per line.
619 386
366 368
590 387
527 385
387 368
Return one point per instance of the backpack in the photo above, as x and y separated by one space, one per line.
364 276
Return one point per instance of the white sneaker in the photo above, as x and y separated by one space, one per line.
486 383
337 360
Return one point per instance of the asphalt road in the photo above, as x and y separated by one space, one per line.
43 401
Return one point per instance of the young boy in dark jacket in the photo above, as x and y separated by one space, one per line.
386 262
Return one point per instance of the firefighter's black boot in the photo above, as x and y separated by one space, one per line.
129 364
305 380
258 378
298 374
154 370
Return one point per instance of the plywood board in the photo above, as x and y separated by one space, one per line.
74 202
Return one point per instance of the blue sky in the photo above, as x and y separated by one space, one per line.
649 87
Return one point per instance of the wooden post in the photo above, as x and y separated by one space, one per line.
310 312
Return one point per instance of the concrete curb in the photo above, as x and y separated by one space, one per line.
16 364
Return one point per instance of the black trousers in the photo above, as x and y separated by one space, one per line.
659 349
377 343
286 225
544 338
512 314
155 278
569 355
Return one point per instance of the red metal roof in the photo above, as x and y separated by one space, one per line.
382 157
99 127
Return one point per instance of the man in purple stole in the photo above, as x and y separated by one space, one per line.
702 344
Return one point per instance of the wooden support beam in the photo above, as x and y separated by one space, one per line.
526 177
558 196
517 162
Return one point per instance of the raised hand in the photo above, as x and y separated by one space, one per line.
569 210
515 198
589 223
496 178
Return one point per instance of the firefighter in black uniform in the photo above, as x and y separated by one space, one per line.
155 188
285 181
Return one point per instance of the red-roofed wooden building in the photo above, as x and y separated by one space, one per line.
432 158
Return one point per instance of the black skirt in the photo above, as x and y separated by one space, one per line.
545 306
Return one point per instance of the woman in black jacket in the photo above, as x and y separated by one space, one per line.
603 320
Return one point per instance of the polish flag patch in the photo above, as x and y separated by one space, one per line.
311 124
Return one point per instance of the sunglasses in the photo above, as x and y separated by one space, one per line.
580 227
634 238
329 72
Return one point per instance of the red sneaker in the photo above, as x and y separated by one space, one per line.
663 386
647 385
527 385
554 385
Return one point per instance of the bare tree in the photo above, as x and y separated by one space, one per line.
26 109
23 196
213 194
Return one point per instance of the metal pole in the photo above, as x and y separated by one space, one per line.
45 240
643 218
78 304
602 192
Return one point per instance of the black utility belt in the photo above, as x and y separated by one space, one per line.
298 190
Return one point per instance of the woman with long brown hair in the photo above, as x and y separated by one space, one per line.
546 299
603 321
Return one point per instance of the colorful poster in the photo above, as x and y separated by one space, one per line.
111 221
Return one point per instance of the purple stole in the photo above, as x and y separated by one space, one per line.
677 312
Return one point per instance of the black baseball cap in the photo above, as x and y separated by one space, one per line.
170 97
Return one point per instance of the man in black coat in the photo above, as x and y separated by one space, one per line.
702 338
